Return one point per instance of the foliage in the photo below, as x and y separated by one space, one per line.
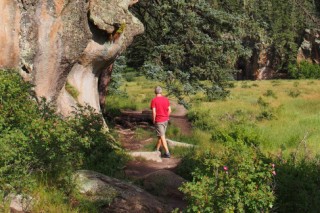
36 142
190 42
304 70
238 178
186 42
116 76
244 132
270 93
294 93
201 119
295 180
298 184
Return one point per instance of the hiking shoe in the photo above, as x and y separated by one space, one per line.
166 155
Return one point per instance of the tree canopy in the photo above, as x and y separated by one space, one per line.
194 45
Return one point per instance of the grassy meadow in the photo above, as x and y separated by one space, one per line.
284 113
136 94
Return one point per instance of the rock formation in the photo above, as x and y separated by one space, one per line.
310 47
258 66
163 182
118 196
66 48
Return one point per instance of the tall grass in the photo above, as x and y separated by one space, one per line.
280 117
138 92
284 119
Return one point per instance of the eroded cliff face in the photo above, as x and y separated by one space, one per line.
263 62
310 47
258 66
66 48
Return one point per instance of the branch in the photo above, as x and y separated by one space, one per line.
307 13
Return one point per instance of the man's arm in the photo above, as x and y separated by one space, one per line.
154 113
169 110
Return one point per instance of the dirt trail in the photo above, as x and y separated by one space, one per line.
139 168
179 118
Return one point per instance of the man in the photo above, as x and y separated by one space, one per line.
161 110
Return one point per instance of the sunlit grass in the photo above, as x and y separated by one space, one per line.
295 117
139 93
49 199
284 111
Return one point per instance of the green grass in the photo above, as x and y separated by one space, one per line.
50 199
139 92
284 112
294 116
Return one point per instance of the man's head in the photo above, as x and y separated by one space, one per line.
158 90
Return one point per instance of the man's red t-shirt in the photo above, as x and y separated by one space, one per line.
161 104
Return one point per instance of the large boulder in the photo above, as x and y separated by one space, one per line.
66 48
163 183
118 196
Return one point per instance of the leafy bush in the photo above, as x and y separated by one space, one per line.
238 178
270 93
201 119
294 93
304 70
246 133
37 142
267 112
298 184
262 103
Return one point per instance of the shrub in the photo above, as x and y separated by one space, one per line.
304 70
298 184
270 93
294 93
262 103
266 114
201 119
237 179
246 133
36 142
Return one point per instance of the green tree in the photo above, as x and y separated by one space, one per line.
191 46
194 45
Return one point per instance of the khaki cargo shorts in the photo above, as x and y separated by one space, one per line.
161 128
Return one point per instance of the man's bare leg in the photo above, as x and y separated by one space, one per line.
164 143
159 144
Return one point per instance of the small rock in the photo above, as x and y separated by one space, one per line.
21 204
180 144
154 156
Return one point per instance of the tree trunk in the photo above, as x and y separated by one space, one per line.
104 80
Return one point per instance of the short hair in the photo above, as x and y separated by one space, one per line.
158 90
